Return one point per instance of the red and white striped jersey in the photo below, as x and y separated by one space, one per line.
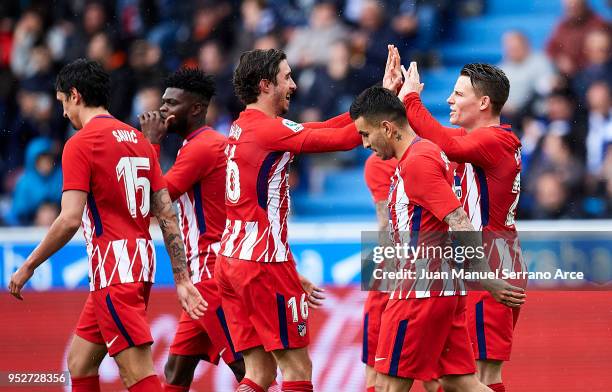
259 151
488 176
117 167
421 197
197 182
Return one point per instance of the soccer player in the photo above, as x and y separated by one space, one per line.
261 291
112 181
423 329
197 181
378 173
490 170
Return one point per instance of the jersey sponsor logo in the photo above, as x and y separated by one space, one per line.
108 344
123 135
295 127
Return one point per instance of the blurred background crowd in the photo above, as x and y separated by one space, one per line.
556 53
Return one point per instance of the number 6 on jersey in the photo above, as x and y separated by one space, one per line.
232 184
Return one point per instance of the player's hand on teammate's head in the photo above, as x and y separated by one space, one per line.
191 300
504 292
412 81
392 78
154 126
316 295
18 280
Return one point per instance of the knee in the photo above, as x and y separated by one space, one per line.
80 366
381 384
132 373
297 369
263 375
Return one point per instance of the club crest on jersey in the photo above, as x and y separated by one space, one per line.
301 328
235 132
295 127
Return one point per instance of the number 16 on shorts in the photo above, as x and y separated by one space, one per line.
292 305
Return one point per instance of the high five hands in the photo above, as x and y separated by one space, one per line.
398 79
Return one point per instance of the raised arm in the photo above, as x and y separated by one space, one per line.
423 123
339 121
189 296
286 135
60 232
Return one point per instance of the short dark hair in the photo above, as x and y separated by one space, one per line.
488 80
194 81
89 79
376 104
254 66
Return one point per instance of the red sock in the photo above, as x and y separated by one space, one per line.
274 387
297 386
175 388
86 384
371 389
147 384
440 389
247 385
498 387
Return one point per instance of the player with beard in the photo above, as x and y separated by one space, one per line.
112 182
261 291
197 182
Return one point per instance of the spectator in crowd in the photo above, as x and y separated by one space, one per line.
530 73
122 78
37 115
212 61
147 98
371 56
563 118
565 46
46 214
94 21
551 198
418 25
144 62
599 134
28 32
607 179
256 21
555 179
597 51
310 44
211 20
326 91
40 183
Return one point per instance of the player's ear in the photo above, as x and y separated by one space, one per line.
485 102
264 85
74 94
197 108
388 128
